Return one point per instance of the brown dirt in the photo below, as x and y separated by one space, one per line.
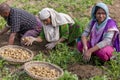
85 71
36 47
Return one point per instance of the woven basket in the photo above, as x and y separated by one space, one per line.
16 61
30 64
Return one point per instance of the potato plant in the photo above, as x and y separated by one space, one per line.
68 76
62 55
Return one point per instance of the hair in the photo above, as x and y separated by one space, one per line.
96 9
4 7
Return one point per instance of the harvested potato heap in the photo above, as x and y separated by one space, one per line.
15 53
43 71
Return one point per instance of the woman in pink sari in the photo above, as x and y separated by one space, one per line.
98 37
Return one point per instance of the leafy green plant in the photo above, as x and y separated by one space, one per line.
1 1
21 76
62 56
68 76
39 57
2 62
113 70
8 77
99 78
2 23
108 1
4 73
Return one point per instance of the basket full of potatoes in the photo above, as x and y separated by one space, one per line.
43 70
16 54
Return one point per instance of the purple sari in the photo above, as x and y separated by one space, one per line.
97 36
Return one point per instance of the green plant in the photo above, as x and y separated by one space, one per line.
108 1
2 22
62 56
99 78
21 76
40 57
2 62
1 1
113 70
68 76
4 73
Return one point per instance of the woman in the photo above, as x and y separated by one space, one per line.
57 27
102 32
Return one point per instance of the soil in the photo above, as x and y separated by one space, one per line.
36 47
82 71
85 71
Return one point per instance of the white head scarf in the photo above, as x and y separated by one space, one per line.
57 19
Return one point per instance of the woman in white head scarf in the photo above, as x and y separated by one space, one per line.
56 27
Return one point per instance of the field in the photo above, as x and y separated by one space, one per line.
66 57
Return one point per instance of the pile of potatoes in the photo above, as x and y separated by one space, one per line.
43 71
15 53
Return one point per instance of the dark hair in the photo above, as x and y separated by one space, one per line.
4 7
96 8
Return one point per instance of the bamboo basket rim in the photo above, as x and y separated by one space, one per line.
42 63
16 61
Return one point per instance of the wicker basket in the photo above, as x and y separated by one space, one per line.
16 61
30 64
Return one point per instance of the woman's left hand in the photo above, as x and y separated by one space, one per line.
50 45
87 55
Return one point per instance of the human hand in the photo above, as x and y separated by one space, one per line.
28 40
50 45
87 56
85 48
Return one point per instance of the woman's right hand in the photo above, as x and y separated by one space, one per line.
85 49
84 42
87 55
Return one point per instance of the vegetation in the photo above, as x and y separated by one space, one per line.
62 55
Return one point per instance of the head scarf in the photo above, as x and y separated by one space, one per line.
101 5
105 8
56 18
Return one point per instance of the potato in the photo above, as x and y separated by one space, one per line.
25 39
43 71
15 53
